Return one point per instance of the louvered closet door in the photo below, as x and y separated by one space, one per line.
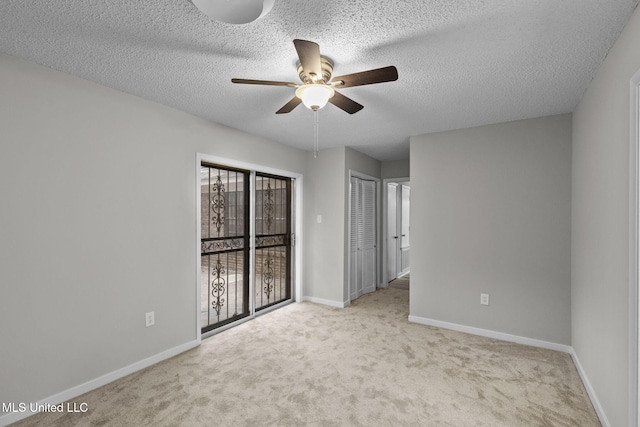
354 252
368 239
363 237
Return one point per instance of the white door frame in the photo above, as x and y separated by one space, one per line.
404 224
391 246
385 244
297 230
634 263
357 174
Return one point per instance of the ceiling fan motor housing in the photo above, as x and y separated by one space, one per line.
326 65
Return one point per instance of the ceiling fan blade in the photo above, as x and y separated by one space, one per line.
263 82
344 103
379 75
295 101
309 54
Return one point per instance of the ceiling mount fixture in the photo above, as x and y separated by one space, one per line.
234 11
319 88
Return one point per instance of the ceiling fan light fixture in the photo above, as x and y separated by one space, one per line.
234 11
315 96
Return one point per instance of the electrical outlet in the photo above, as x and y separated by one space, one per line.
484 299
150 318
319 219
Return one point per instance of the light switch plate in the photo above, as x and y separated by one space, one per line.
484 299
150 318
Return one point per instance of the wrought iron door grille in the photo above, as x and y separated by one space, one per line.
224 245
273 240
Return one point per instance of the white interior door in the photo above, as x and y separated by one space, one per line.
392 232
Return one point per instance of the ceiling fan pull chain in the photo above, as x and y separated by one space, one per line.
315 133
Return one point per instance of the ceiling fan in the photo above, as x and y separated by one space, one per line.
318 87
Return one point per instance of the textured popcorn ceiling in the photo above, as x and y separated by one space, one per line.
460 63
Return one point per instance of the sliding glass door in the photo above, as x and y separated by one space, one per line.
273 240
224 246
229 269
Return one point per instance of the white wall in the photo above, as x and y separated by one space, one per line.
98 226
600 232
490 210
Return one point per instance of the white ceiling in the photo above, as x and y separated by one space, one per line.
460 63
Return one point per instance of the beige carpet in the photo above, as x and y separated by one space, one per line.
365 365
400 282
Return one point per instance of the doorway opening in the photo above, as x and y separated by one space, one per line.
396 230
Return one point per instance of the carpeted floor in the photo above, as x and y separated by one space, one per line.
364 365
400 282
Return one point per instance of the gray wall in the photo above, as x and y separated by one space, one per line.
327 180
490 210
98 226
357 161
600 232
324 195
395 169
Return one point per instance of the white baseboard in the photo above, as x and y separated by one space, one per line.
99 382
323 301
491 334
590 391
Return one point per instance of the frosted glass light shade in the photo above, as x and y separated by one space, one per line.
315 96
234 11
